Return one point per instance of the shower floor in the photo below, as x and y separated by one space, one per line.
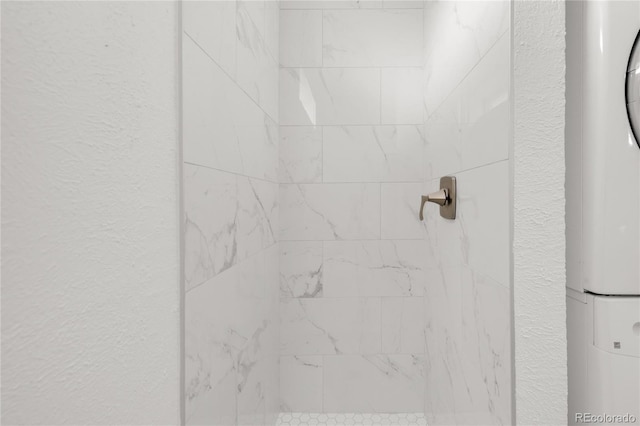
339 419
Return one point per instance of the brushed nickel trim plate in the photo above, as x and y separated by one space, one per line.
445 198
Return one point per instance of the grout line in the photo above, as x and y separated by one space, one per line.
231 173
238 263
458 172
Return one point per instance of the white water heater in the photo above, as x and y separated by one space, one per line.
603 210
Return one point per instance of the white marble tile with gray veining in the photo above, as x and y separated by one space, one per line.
226 219
301 269
329 96
300 154
471 127
218 340
402 323
212 24
330 4
479 237
257 68
330 326
372 153
467 335
301 38
374 268
374 383
372 38
457 35
223 127
211 223
400 209
401 96
258 215
301 383
329 211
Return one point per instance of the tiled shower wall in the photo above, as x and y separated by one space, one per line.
230 198
352 251
468 293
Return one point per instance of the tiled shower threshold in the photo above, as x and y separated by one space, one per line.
339 419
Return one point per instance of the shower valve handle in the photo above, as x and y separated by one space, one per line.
440 197
445 198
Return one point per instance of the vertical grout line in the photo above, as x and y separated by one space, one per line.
181 240
322 38
380 98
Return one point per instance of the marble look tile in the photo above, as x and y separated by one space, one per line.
257 69
330 4
211 224
258 215
457 35
471 128
272 27
372 153
484 108
221 345
212 24
329 211
403 4
271 345
223 127
402 325
443 150
300 154
401 96
372 38
479 237
301 38
400 209
301 269
301 383
227 218
330 96
468 370
329 326
373 268
378 383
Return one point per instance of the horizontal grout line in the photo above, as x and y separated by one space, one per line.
230 172
429 180
241 262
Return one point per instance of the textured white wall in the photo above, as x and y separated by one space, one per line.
539 241
90 265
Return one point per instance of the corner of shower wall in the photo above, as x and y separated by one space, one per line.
230 210
468 290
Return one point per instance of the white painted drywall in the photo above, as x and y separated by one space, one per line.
90 252
539 202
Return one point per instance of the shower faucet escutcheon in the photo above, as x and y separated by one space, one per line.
445 198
